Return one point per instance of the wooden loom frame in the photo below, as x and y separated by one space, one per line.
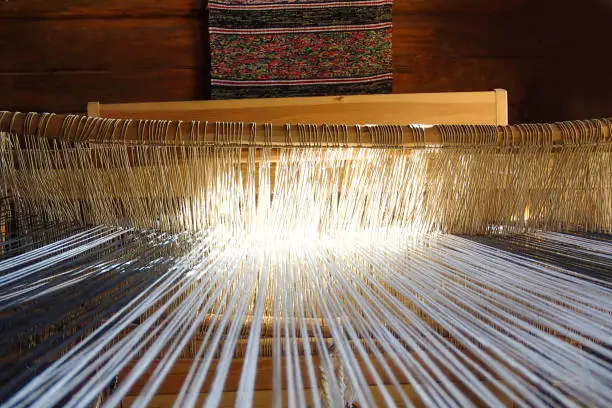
470 108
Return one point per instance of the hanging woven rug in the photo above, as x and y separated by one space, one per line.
273 48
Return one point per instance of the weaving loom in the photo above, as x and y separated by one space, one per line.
330 265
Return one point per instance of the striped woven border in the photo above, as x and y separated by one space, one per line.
236 31
312 81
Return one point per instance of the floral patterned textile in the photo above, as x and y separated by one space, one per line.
272 48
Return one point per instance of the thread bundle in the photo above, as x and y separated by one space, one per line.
446 321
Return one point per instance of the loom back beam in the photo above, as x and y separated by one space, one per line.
444 108
84 128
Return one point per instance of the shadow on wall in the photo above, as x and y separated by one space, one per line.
574 81
203 39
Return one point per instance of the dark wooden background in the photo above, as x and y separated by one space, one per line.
551 55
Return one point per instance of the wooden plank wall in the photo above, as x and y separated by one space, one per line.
574 80
58 55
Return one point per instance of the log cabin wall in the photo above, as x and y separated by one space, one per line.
574 80
58 55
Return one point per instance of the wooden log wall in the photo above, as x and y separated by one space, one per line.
574 81
58 55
